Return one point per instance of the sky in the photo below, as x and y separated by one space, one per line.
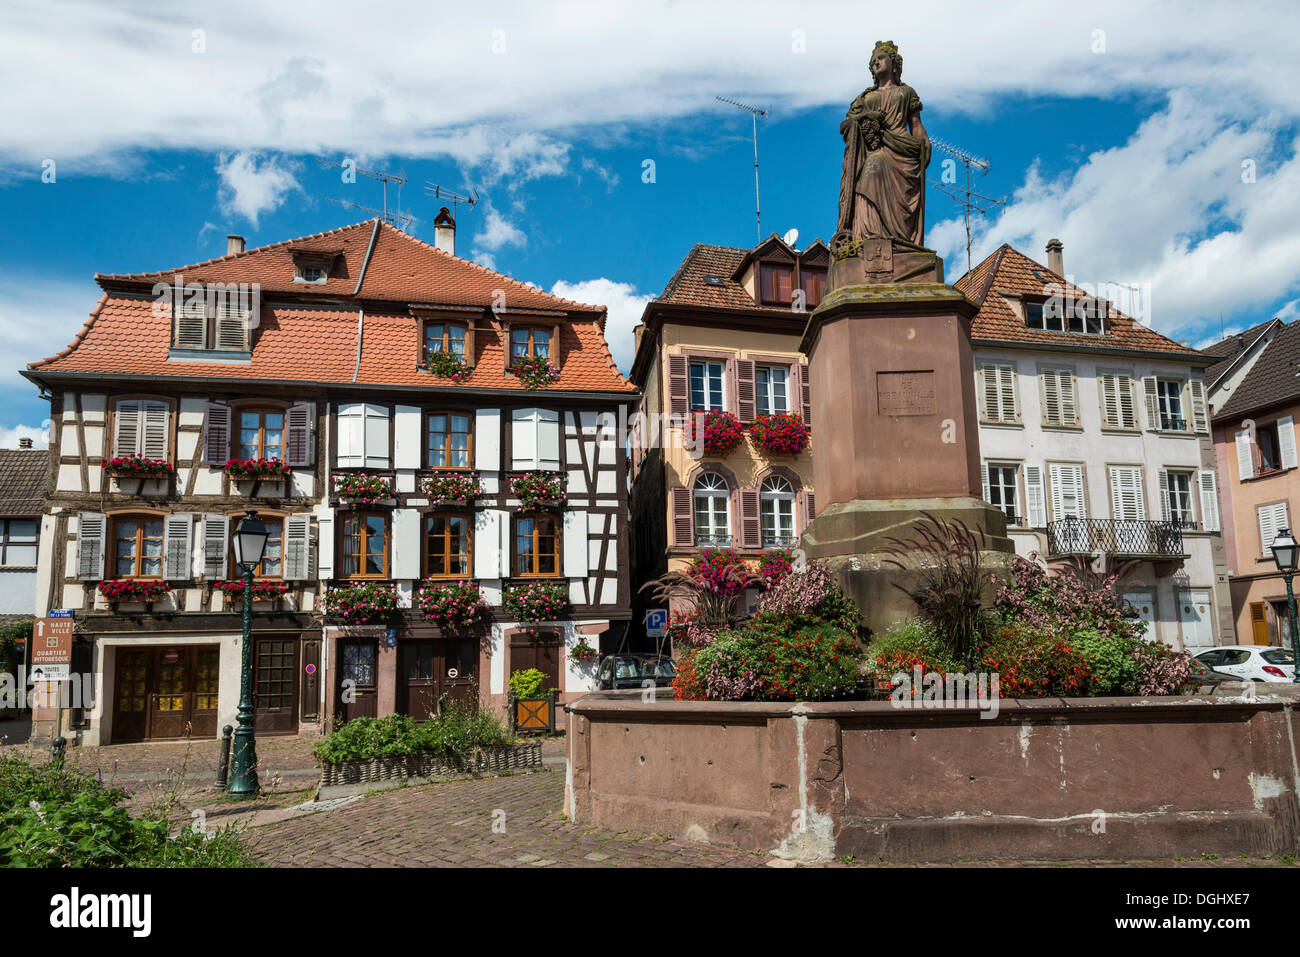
1158 141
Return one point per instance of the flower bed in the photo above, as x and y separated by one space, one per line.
256 468
448 365
444 487
537 490
457 604
363 489
534 371
134 589
137 466
536 601
781 434
361 603
264 589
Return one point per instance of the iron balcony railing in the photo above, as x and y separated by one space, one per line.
1073 536
704 540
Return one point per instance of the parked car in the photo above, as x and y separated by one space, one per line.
1203 674
631 670
1250 662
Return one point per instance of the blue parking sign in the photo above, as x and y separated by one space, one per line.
656 622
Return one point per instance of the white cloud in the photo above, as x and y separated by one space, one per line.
38 317
496 233
625 306
40 435
252 185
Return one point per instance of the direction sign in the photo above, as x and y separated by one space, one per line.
656 622
50 673
51 642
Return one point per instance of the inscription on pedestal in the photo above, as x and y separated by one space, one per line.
906 393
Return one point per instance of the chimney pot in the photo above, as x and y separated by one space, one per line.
234 245
1055 257
444 231
25 442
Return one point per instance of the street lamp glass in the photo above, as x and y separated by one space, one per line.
250 541
1285 550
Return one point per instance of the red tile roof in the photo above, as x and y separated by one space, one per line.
299 340
1012 273
689 285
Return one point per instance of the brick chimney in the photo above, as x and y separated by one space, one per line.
25 442
444 231
1055 257
234 245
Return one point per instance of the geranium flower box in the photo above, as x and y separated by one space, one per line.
361 603
251 469
781 434
145 590
452 604
537 490
534 371
264 589
446 488
719 432
537 601
447 365
137 466
360 489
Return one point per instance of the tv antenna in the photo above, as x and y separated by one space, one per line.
395 218
442 192
963 196
754 113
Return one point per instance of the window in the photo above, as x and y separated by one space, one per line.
142 427
445 337
1270 452
772 389
1062 314
362 435
1176 498
261 434
535 439
272 564
1058 395
446 553
18 542
222 325
776 512
998 383
706 386
365 545
1169 404
448 441
813 283
712 510
537 552
138 547
1272 519
529 342
1116 395
776 283
1277 448
1001 491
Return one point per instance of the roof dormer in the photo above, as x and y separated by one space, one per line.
312 263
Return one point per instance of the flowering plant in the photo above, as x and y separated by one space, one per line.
137 465
1031 664
781 434
134 589
720 570
452 604
537 601
256 468
448 365
583 652
534 371
361 602
444 487
363 489
721 431
264 589
686 630
774 564
537 490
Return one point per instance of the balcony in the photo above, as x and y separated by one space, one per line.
1122 537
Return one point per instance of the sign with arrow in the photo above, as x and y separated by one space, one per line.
51 644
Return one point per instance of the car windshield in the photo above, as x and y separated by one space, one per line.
627 668
659 668
1277 657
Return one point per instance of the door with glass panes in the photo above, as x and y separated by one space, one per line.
275 685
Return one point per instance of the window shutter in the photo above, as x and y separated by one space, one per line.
1069 407
297 547
1200 422
406 543
325 544
350 424
1067 491
1272 519
487 440
1209 500
232 328
216 539
409 437
683 519
1245 455
376 436
523 439
298 422
804 390
91 532
469 342
126 432
984 473
750 534
1010 407
154 434
1051 397
487 544
1035 502
810 505
1286 441
677 389
575 544
1152 403
548 439
216 434
1127 415
1108 391
985 398
178 548
192 326
1127 503
744 383
1164 496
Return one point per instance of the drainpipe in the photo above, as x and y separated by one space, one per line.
361 321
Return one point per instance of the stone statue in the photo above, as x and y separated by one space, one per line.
886 152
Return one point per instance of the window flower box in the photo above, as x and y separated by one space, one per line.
137 466
537 601
537 490
264 589
363 489
443 488
451 605
534 371
147 590
721 432
447 365
248 469
361 603
783 433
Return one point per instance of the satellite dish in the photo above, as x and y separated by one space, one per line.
791 237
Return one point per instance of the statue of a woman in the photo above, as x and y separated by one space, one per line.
886 152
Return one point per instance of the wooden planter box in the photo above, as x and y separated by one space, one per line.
426 764
535 715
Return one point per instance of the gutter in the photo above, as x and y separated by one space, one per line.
356 293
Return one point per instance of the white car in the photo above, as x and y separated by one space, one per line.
1251 662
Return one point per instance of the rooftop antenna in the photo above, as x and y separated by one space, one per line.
442 192
963 196
396 217
754 113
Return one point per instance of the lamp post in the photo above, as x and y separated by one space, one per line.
250 542
1285 553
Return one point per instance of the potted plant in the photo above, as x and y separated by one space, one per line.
361 603
719 431
137 466
583 652
264 589
243 469
783 433
534 371
147 590
537 490
536 601
442 488
359 489
448 365
774 564
451 605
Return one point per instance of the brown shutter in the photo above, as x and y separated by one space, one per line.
297 451
557 350
216 434
469 339
677 404
804 394
744 390
810 508
683 532
750 536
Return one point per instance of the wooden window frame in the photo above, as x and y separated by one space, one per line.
822 275
789 384
270 520
773 266
428 431
426 536
691 362
532 330
536 555
447 325
111 545
1184 404
237 413
5 522
342 539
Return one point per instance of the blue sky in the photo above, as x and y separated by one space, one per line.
1127 140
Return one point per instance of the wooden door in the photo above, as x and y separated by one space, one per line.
168 690
1258 623
418 688
131 695
203 698
357 691
275 685
459 670
540 651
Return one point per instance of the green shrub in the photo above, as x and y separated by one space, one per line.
528 683
453 735
1031 664
912 643
735 667
1111 668
10 635
815 662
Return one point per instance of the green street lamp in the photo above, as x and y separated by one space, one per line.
1285 553
250 542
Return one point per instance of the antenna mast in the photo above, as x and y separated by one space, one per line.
754 113
396 218
442 192
963 197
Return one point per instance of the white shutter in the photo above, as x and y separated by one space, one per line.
1067 491
487 440
1245 455
523 439
376 442
984 392
1164 496
178 547
1051 395
1035 503
1126 493
548 439
192 326
1200 422
1152 403
1069 404
232 327
1209 500
154 434
1286 441
216 539
350 420
487 543
1272 519
92 529
408 437
126 428
325 543
575 544
1124 391
1007 391
984 473
406 543
1108 391
297 547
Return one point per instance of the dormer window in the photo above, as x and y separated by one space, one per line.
813 283
444 337
1059 314
776 284
311 274
530 342
222 326
312 266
